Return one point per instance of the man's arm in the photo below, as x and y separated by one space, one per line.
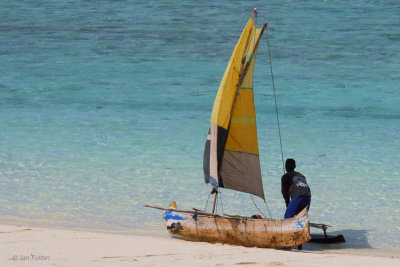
285 189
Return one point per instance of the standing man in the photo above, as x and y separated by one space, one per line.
295 190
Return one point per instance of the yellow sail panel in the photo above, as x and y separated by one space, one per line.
226 93
242 134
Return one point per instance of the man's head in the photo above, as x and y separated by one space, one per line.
290 165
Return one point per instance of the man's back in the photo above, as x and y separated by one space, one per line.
294 184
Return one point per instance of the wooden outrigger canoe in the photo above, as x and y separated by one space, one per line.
231 161
237 230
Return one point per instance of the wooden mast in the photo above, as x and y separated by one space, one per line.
215 192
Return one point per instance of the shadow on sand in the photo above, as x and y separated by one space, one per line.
355 239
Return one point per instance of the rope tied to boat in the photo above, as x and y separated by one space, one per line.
277 115
205 208
259 209
277 120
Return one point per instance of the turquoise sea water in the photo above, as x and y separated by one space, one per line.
105 106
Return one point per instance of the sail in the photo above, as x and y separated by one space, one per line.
231 157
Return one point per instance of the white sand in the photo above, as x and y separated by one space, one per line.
33 246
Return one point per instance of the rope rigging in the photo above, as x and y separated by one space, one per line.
220 199
259 209
276 106
278 124
277 120
205 208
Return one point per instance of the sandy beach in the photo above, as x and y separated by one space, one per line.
35 246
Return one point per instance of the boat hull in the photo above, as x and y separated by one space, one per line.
243 231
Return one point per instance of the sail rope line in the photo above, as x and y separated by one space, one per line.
220 199
277 118
205 208
276 105
258 208
216 204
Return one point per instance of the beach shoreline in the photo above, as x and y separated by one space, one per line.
38 246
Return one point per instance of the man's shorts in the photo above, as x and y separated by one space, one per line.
296 205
